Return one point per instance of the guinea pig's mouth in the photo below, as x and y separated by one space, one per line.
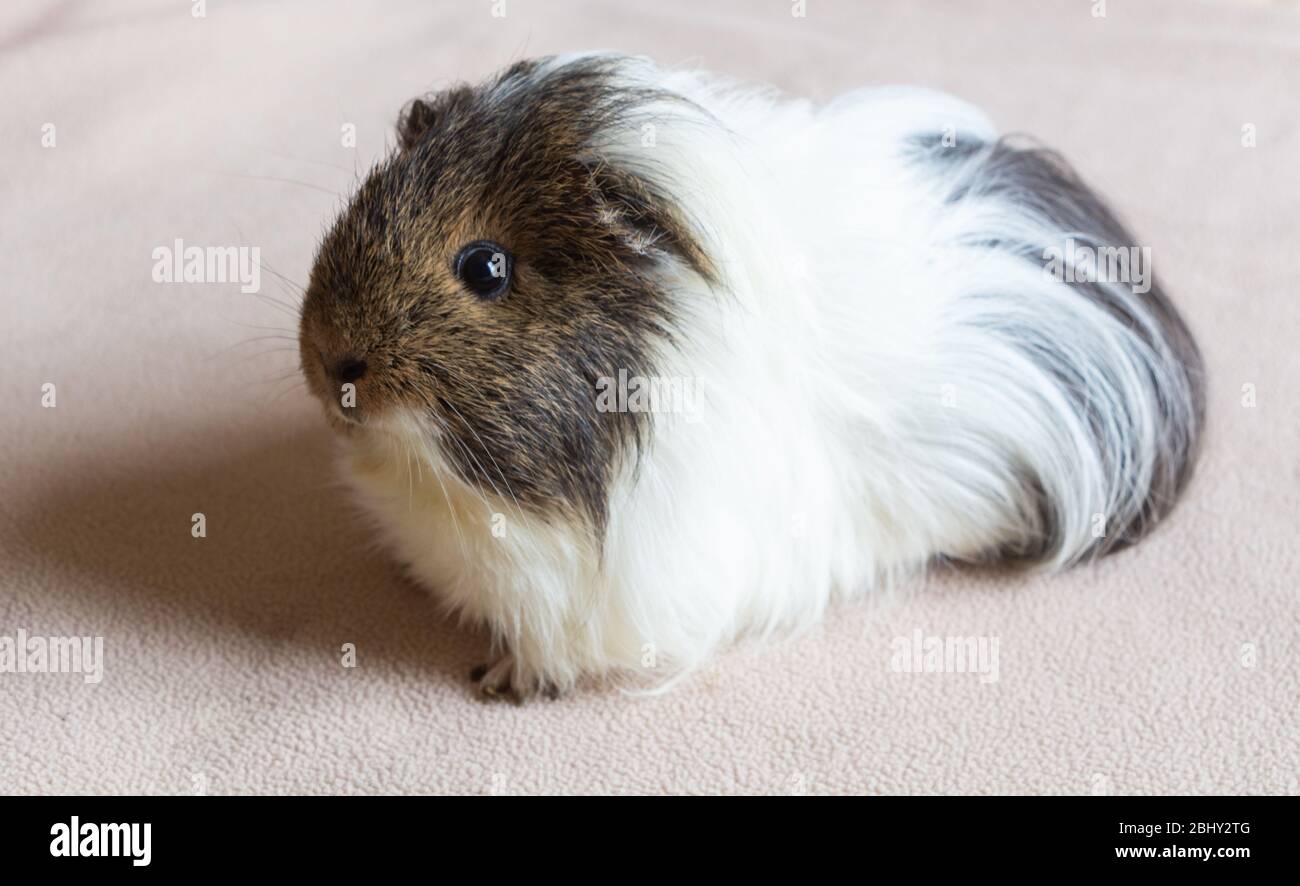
358 423
343 409
358 412
349 416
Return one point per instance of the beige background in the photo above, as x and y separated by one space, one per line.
223 653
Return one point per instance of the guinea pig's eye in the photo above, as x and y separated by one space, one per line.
484 267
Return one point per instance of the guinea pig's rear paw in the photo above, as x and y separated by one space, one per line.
500 681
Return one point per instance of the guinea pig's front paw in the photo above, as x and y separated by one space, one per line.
503 680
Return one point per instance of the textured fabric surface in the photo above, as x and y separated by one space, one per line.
1172 667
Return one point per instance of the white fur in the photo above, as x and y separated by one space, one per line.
853 422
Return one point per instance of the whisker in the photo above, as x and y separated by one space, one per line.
297 287
519 510
279 378
285 393
281 329
276 178
464 551
305 160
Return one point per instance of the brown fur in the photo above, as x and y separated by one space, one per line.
511 383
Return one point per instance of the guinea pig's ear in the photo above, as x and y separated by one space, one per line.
414 121
644 220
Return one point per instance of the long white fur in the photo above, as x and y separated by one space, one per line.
863 408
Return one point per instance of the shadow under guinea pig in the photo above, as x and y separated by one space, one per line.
286 558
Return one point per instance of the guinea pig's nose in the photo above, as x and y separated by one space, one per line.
349 369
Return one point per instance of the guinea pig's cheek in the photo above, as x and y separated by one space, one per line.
340 425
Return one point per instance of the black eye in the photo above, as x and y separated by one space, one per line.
484 267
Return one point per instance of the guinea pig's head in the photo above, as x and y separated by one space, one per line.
491 271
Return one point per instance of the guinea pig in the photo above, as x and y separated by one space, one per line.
630 363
